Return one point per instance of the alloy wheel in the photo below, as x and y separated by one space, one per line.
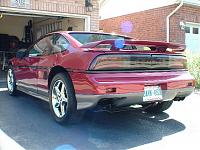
10 80
59 98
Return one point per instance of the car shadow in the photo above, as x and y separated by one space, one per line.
31 125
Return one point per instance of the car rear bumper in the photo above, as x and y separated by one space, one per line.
128 88
126 99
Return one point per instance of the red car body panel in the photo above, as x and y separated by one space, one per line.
77 60
129 82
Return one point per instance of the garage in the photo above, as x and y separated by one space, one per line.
18 31
24 21
192 37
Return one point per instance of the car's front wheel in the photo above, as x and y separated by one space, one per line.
63 104
157 107
11 81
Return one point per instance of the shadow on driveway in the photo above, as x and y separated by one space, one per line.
28 121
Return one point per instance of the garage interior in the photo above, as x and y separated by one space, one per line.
20 31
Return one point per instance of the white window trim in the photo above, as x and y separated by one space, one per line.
87 23
192 23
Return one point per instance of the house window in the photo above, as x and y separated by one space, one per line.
195 30
187 29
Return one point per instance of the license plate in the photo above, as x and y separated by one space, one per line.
152 93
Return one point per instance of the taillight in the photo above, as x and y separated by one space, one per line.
120 62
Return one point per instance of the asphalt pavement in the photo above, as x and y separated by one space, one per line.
28 121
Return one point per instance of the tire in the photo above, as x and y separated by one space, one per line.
11 82
62 100
157 107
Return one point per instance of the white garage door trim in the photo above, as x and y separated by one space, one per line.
47 13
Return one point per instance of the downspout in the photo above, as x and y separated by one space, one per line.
168 19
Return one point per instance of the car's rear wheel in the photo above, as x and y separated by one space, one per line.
157 107
11 82
63 104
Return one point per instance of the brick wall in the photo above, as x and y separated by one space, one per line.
187 14
63 6
94 24
151 24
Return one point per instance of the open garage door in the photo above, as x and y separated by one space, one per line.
41 25
19 31
192 37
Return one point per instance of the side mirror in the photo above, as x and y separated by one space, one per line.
21 53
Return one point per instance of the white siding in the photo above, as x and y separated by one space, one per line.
113 8
193 2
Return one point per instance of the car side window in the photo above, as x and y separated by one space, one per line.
60 43
34 51
42 47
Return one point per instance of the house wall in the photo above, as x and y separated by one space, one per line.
151 24
146 25
186 14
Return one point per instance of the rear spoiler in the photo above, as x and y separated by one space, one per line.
164 45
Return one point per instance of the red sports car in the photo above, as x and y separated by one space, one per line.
79 70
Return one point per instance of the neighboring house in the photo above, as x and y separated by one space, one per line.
168 20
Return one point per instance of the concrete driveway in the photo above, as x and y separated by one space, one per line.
27 120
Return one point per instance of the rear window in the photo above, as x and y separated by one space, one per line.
138 47
84 38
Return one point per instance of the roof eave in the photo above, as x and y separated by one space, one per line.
192 4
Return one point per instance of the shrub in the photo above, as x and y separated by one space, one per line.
193 65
